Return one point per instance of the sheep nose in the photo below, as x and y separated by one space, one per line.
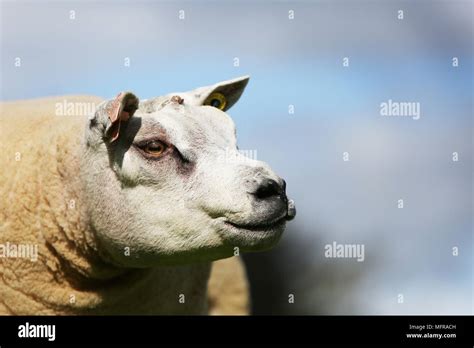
269 188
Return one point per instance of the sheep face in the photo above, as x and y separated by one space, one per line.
171 187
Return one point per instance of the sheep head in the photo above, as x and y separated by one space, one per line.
166 184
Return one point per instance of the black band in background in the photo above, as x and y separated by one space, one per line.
141 330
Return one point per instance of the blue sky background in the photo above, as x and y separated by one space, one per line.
299 62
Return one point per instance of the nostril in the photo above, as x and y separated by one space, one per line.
268 188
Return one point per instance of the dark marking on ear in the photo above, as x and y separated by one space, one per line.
231 91
120 109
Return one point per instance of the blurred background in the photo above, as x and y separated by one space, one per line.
294 52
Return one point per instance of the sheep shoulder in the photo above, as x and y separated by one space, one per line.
228 289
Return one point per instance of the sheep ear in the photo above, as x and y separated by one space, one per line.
111 113
221 95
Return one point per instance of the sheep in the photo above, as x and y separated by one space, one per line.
132 209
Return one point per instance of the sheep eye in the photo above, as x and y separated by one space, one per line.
155 148
216 100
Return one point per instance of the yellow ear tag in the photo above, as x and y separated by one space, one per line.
216 100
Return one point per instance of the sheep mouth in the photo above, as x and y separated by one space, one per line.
251 236
265 226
